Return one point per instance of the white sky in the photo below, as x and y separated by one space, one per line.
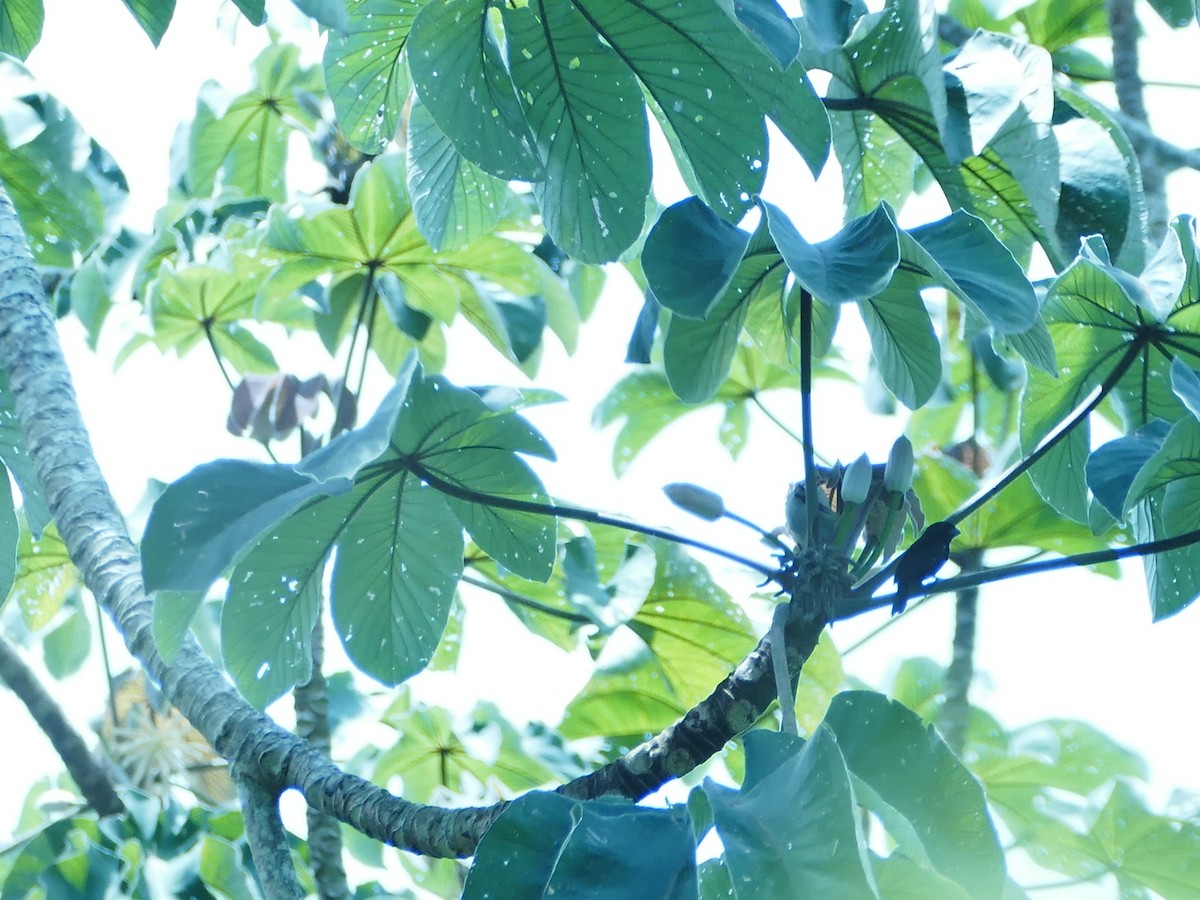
1061 646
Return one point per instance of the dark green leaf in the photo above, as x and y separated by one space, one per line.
545 844
1111 469
854 264
202 522
905 347
690 256
772 27
459 71
794 833
593 144
977 268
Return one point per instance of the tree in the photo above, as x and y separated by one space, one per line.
483 161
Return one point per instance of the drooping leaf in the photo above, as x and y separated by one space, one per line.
364 75
153 16
854 264
794 833
20 26
690 256
454 200
697 355
544 844
927 800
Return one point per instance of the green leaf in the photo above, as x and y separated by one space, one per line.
795 833
1097 186
1176 13
450 438
1173 576
1113 467
697 355
201 304
399 561
1145 851
201 522
1186 385
172 617
57 191
221 869
459 72
248 143
690 256
544 844
20 26
647 404
684 639
45 578
930 804
963 256
273 602
253 10
854 264
454 201
153 16
1096 329
877 163
903 341
594 144
67 646
364 75
379 233
15 454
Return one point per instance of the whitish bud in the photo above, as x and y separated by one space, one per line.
856 483
897 476
696 500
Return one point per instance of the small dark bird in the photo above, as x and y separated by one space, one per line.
921 560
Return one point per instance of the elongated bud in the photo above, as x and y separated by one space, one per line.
856 483
696 500
897 475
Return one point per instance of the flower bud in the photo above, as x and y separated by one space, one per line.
897 476
856 483
696 500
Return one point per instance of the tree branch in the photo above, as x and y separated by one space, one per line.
311 701
93 781
267 839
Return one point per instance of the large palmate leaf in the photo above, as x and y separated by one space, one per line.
202 304
981 125
434 753
1114 329
520 102
376 240
392 497
247 141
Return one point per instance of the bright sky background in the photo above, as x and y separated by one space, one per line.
1062 646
